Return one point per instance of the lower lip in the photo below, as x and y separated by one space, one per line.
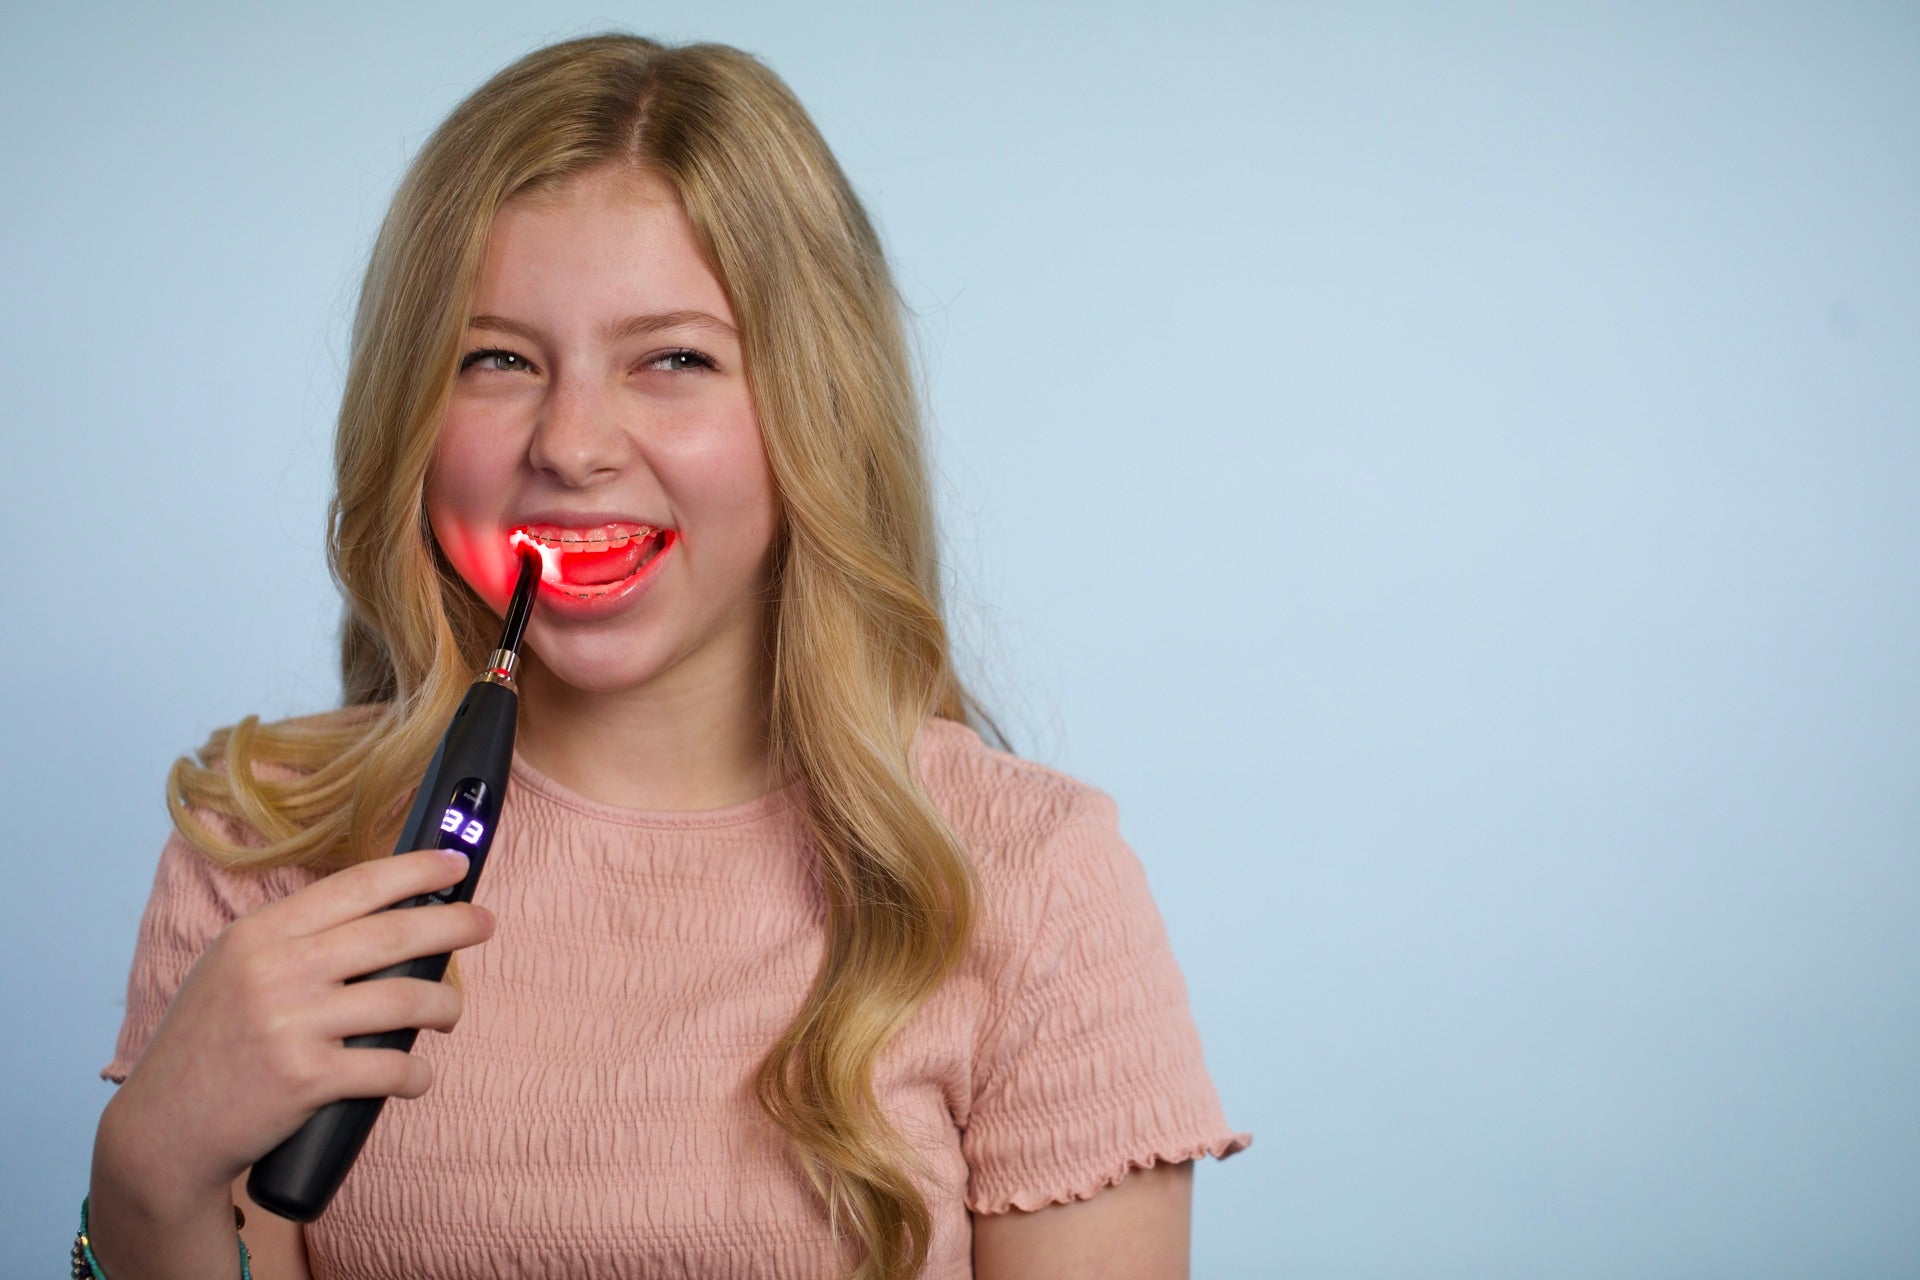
600 601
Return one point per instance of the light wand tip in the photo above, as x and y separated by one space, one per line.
521 606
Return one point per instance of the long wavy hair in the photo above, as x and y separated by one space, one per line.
860 652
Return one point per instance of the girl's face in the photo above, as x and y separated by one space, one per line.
602 409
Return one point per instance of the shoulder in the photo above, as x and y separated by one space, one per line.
195 895
995 797
233 811
213 889
1084 1061
1045 846
200 895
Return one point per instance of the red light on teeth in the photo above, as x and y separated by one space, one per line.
591 565
549 556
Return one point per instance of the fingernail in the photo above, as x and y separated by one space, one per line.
456 857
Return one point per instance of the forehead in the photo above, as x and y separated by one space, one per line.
609 238
605 182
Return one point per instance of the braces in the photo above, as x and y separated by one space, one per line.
550 550
646 531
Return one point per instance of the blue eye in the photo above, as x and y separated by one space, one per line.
681 359
491 353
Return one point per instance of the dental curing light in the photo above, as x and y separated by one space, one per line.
457 807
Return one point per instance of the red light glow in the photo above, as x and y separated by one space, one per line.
549 556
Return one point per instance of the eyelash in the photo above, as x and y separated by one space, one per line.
481 353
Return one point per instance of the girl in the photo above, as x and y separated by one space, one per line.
795 975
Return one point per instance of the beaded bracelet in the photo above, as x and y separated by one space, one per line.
85 1268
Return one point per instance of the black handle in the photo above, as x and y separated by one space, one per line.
457 807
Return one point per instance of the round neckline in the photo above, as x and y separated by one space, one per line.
759 807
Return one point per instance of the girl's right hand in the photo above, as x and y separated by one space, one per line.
251 1044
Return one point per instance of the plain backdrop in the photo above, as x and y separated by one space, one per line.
1449 471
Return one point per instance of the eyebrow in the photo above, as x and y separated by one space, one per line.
631 327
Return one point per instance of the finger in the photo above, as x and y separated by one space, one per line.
371 943
387 1004
377 1073
363 888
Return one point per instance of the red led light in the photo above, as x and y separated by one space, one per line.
549 556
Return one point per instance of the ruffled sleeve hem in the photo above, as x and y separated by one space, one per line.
1038 1195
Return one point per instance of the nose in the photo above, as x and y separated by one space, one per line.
579 437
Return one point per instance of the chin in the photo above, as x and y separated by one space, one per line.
597 677
612 666
601 681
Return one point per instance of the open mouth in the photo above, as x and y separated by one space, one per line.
593 561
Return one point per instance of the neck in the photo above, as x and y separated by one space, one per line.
670 746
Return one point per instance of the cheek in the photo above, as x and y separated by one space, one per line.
715 473
461 491
739 487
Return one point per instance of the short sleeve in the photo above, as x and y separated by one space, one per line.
1091 1065
193 899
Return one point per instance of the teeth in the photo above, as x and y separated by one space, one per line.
607 537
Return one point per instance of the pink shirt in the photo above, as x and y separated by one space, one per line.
592 1114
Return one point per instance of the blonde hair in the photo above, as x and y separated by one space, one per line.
860 654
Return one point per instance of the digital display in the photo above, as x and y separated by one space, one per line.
466 820
469 830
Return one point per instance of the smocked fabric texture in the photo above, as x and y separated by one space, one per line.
593 1112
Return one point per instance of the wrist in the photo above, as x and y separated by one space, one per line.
146 1217
139 1170
163 1257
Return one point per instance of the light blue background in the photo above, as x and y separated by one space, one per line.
1449 471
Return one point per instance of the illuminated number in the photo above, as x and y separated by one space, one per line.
451 820
472 834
